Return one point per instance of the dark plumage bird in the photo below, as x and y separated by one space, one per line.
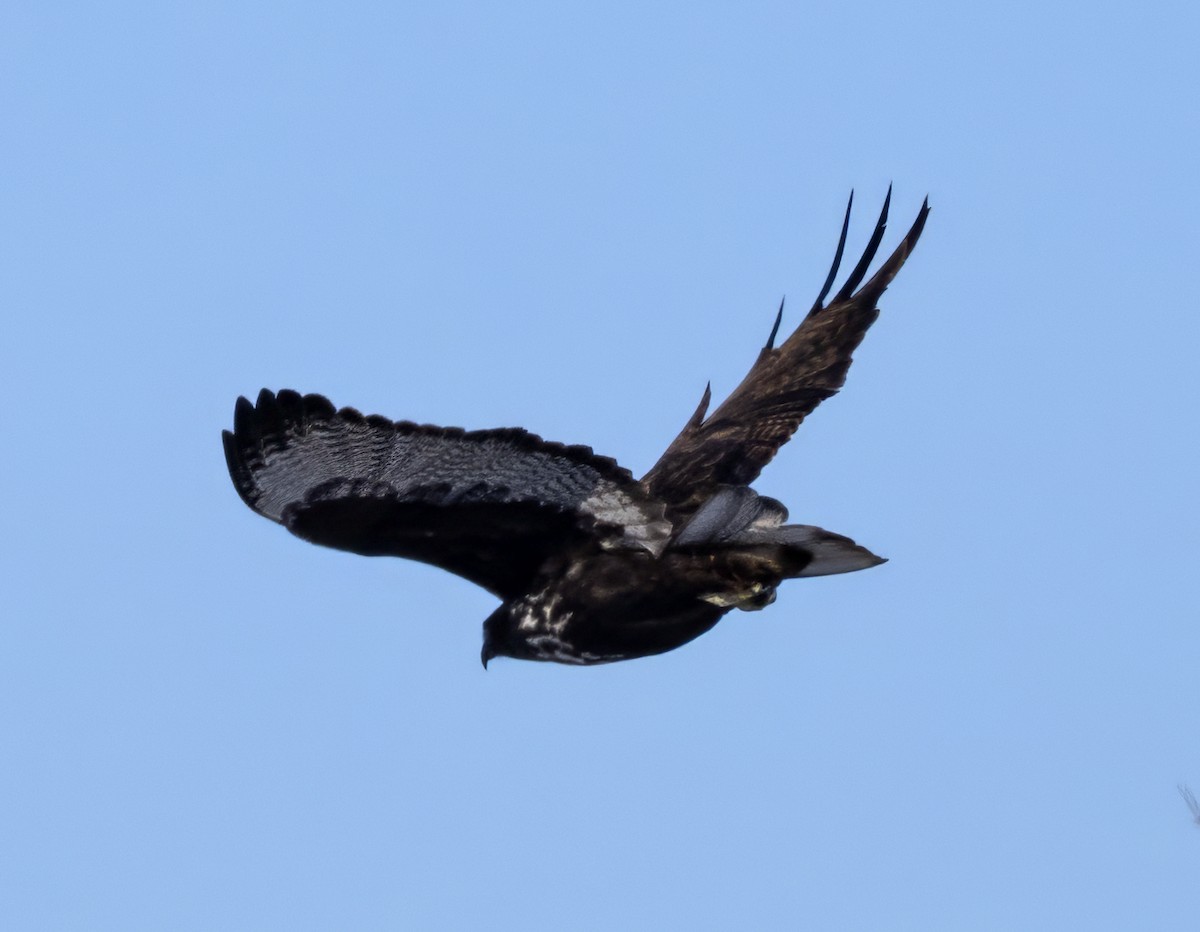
591 565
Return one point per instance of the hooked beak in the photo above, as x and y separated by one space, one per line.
485 655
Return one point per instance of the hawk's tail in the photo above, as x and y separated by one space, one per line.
738 516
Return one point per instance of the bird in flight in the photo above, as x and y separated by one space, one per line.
1190 798
591 565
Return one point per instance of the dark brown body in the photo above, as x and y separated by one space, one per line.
602 607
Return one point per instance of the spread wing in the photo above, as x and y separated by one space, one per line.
732 445
488 505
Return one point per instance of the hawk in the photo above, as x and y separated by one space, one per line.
591 565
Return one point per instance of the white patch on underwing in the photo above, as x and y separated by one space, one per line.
642 523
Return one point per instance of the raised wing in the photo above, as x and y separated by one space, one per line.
732 445
488 505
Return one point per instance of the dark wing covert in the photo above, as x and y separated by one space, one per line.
732 445
487 505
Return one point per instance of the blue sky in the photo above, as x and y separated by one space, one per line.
569 218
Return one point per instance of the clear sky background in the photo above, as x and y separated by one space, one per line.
569 218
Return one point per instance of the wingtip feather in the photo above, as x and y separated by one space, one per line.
245 423
868 256
697 417
878 283
236 465
837 257
775 329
